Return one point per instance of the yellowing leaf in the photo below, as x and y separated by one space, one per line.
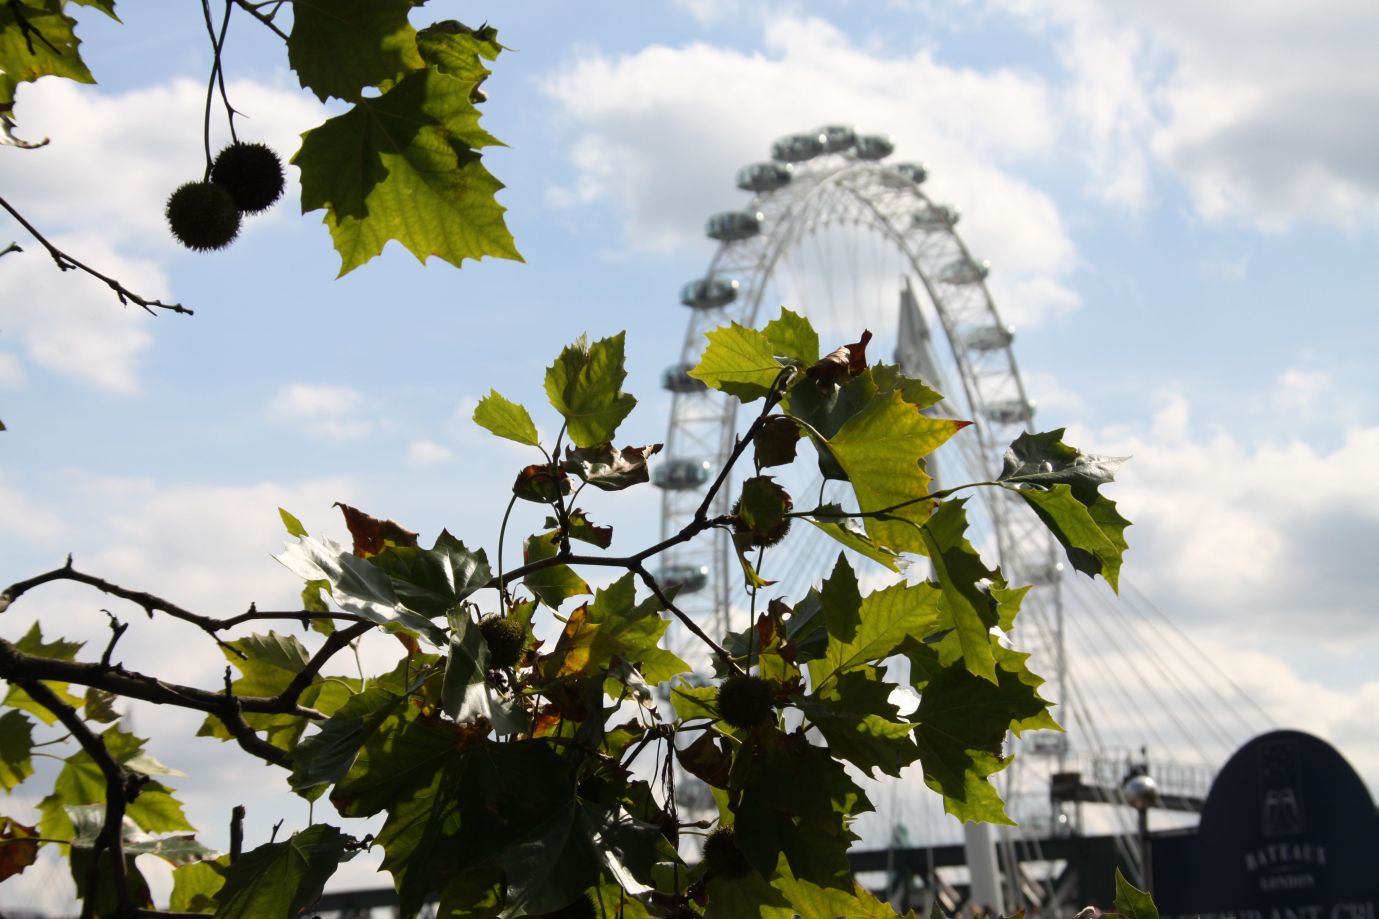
880 448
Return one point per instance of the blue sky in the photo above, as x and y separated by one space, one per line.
1181 206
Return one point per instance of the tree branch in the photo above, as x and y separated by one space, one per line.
67 263
120 788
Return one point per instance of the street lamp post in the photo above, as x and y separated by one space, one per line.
1141 792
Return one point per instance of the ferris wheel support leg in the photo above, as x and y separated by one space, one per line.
980 849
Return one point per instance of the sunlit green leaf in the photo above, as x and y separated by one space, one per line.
739 361
881 450
506 419
24 57
555 584
855 715
1088 525
195 885
968 609
458 50
885 620
791 335
58 650
584 385
405 166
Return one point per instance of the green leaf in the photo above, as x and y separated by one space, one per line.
431 581
293 525
16 742
881 448
613 626
466 694
739 361
1060 483
340 47
846 531
554 864
857 719
58 650
280 878
810 901
842 601
553 585
962 722
1089 527
885 620
959 571
608 469
585 386
791 335
195 885
100 706
357 585
1044 460
325 757
506 419
474 806
458 50
269 665
405 166
1133 903
80 782
27 57
774 818
398 757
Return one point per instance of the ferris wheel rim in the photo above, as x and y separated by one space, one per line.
750 262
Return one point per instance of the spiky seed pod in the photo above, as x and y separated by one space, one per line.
506 640
769 503
724 858
251 173
203 216
745 701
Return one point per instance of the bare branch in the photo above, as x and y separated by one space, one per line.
67 263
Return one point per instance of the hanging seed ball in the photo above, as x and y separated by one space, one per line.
506 640
723 856
203 216
745 701
251 173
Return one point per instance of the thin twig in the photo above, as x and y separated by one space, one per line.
67 263
685 620
252 10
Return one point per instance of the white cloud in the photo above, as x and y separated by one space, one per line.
70 323
1262 110
661 132
428 452
325 412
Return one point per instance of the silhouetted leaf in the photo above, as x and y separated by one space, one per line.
280 878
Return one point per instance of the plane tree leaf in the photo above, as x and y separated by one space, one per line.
431 581
340 47
614 626
1061 484
58 650
740 361
16 746
791 335
584 385
456 49
25 58
466 693
885 619
967 608
1133 903
860 724
555 584
881 449
507 419
280 878
405 166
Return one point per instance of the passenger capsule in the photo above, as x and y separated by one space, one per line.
731 226
936 217
796 148
837 137
676 378
915 172
875 146
681 474
708 293
1010 411
762 177
688 578
964 270
990 338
